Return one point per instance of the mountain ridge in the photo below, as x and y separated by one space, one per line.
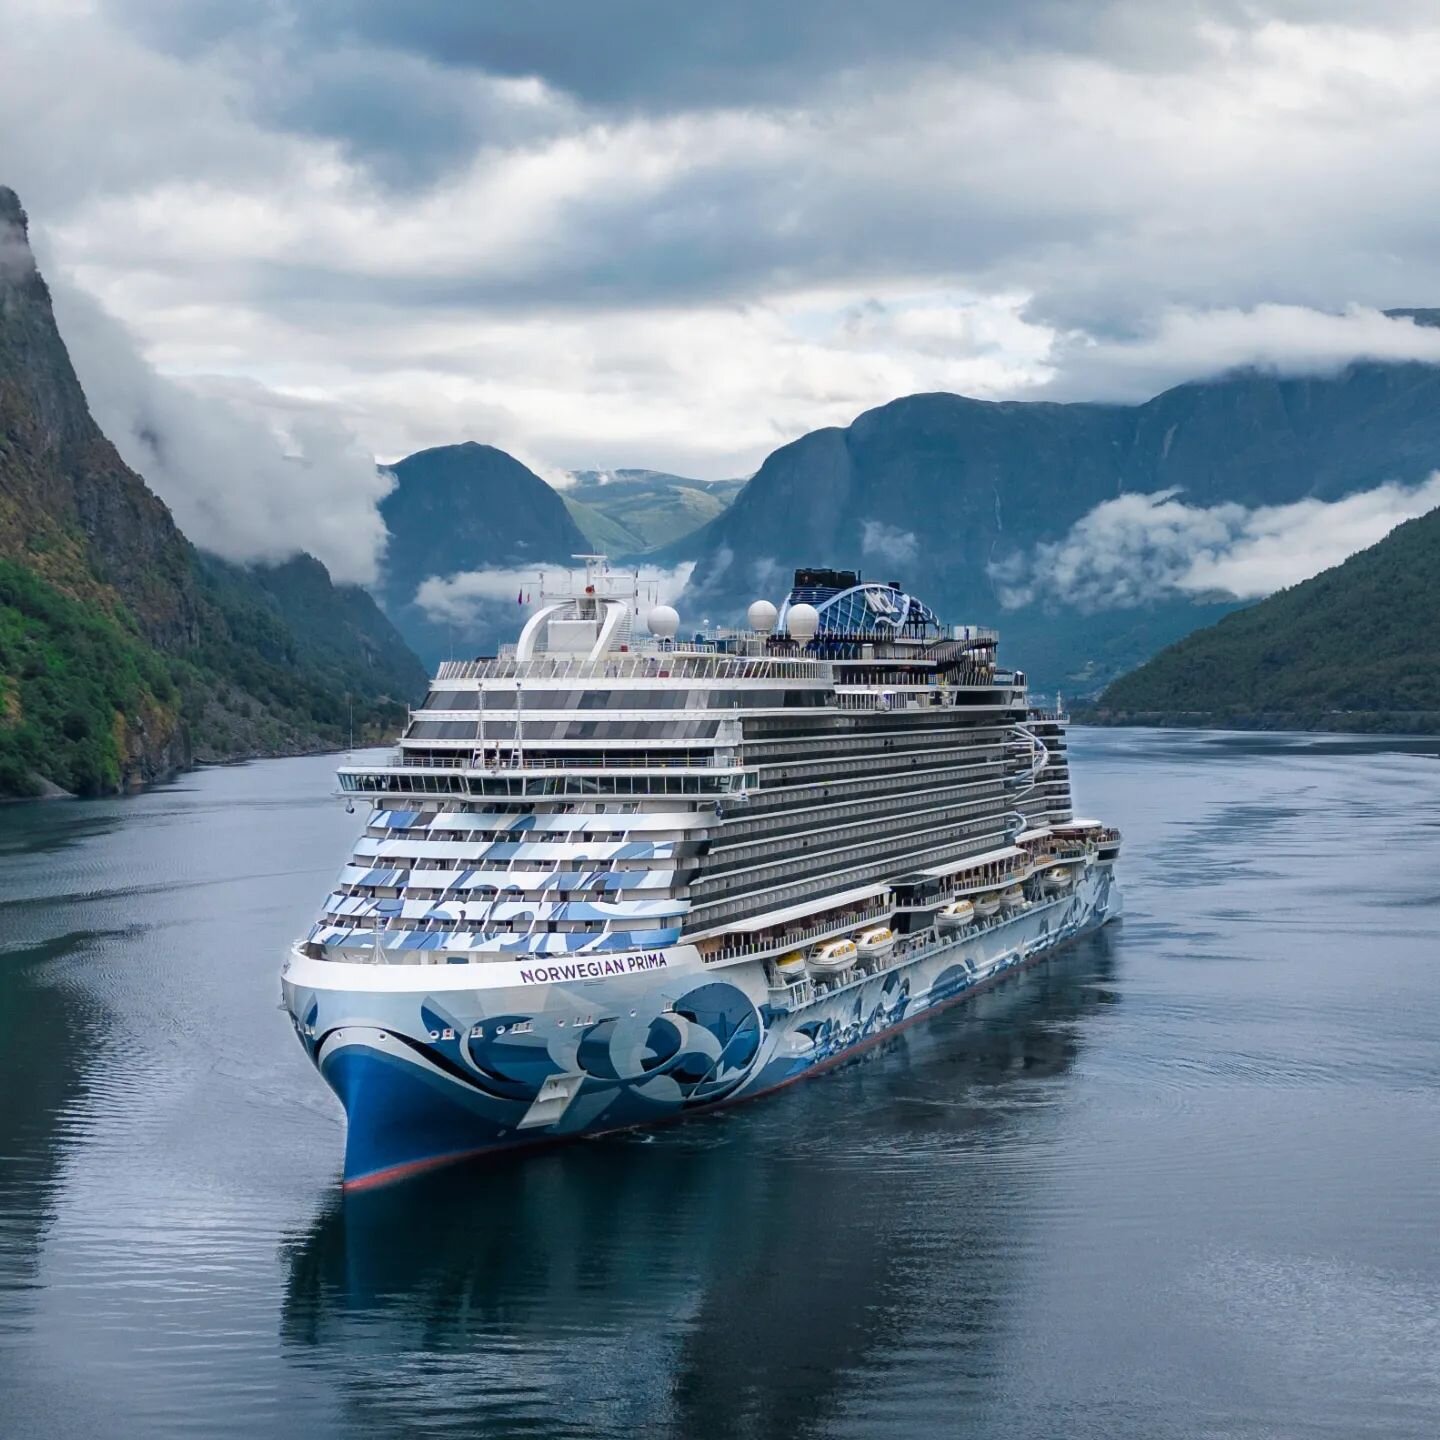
944 492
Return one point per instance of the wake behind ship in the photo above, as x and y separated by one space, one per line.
613 876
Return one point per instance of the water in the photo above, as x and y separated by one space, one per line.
1182 1181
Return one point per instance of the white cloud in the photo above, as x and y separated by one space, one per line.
1186 345
1141 548
888 542
245 475
463 598
688 288
16 263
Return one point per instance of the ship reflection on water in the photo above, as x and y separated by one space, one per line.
739 1274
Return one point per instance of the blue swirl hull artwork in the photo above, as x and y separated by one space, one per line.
449 1062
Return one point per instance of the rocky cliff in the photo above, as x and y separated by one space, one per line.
124 653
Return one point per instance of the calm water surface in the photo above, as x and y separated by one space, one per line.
1182 1181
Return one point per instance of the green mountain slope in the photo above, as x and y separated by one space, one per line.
606 535
124 652
650 507
1353 648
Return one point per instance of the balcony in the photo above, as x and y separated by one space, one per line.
794 939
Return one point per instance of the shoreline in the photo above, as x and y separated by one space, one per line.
1264 723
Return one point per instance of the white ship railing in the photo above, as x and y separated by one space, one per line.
401 760
654 666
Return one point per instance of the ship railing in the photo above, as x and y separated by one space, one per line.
920 697
1058 854
654 665
792 997
403 760
793 939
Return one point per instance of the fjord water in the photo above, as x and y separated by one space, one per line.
1182 1180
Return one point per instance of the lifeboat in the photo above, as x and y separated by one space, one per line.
878 941
832 958
956 915
791 967
1062 877
1013 897
987 905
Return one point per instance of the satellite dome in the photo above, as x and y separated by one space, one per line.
662 622
802 622
761 616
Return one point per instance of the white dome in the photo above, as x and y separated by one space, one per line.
663 621
761 616
802 622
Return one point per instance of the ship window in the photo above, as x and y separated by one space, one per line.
450 700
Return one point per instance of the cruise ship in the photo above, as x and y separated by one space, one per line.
618 875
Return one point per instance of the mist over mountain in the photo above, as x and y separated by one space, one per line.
1356 647
125 652
1091 534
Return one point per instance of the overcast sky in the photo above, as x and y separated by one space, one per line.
636 232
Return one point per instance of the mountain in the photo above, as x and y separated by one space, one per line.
470 507
1356 647
124 652
458 509
629 512
947 494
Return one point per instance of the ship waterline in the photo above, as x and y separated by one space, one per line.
608 882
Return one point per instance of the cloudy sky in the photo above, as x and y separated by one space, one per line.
635 232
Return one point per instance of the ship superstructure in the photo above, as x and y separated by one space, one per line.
617 875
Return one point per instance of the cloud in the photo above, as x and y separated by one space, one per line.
1138 549
472 595
1186 345
244 477
888 542
647 55
16 261
607 235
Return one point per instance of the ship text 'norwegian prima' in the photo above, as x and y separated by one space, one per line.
615 876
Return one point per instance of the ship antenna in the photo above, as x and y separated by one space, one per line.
519 728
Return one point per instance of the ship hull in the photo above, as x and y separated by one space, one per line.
438 1063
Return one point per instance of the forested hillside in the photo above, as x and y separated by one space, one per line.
1354 648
